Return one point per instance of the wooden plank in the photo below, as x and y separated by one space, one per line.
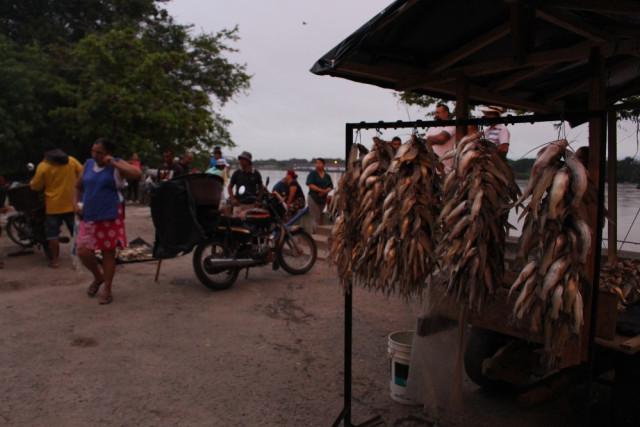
632 344
607 315
552 386
621 344
497 316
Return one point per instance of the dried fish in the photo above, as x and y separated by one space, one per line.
476 195
556 236
387 213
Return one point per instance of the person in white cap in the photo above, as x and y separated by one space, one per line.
497 133
251 180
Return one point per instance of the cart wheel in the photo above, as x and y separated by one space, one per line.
481 344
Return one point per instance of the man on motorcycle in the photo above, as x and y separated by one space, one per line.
251 180
56 176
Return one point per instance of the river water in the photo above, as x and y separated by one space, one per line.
628 208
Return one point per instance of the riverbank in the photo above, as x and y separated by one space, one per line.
268 351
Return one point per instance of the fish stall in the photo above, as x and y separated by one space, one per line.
404 227
562 61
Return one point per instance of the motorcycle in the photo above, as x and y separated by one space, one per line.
260 238
26 227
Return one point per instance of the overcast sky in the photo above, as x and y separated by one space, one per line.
290 112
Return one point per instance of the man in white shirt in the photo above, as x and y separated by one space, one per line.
442 138
498 134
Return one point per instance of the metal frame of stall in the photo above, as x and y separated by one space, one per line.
597 119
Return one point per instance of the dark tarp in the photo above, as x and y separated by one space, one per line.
529 55
173 213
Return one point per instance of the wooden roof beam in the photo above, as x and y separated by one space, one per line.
463 51
479 95
584 83
391 73
617 7
517 77
567 90
571 23
469 48
579 51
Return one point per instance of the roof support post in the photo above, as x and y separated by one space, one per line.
597 154
596 168
612 176
462 104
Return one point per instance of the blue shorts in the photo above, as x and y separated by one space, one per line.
54 221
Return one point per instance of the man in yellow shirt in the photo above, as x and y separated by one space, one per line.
56 175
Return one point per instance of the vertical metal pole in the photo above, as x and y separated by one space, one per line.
597 164
612 186
348 312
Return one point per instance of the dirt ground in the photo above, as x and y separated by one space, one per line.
268 351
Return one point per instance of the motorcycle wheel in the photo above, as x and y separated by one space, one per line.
298 252
20 231
215 279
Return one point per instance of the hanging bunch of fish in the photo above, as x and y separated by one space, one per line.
477 196
553 247
385 213
344 210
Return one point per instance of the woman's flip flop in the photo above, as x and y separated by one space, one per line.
93 288
105 299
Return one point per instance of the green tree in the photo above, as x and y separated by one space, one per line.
149 99
115 68
27 85
46 22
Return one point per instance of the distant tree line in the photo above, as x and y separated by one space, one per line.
72 71
628 169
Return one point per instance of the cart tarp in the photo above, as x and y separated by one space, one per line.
173 213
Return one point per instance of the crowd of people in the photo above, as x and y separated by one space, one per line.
94 191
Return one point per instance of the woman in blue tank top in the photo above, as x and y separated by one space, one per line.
98 200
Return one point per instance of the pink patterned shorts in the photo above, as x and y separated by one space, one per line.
107 234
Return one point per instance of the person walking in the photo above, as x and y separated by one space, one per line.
320 185
56 176
98 200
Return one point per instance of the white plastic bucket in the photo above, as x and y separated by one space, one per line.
399 357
